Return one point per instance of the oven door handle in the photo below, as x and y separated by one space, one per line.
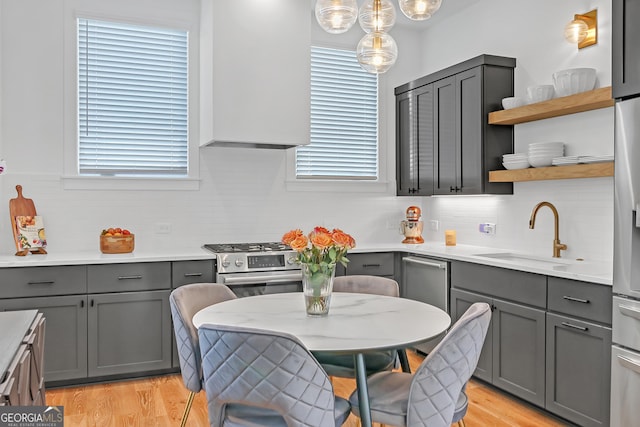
268 279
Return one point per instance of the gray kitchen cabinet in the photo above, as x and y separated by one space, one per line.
460 302
414 142
59 292
198 271
513 354
579 351
184 273
464 146
578 370
625 76
65 345
374 264
129 332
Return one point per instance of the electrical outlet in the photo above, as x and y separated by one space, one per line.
487 228
434 225
162 227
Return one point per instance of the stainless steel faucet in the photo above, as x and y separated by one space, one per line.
557 246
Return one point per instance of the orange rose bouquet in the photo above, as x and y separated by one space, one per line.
318 253
321 248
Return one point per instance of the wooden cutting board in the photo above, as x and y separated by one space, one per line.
22 206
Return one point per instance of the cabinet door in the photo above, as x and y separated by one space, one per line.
65 344
414 142
129 332
460 302
469 138
519 350
578 370
445 145
625 48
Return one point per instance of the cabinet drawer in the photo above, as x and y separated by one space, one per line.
375 264
129 277
581 299
43 281
184 272
519 286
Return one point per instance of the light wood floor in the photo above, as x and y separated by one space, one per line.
159 402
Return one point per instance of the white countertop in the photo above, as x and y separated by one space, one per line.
587 270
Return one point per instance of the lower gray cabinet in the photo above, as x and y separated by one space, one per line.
374 264
129 332
513 355
65 347
578 365
460 302
518 350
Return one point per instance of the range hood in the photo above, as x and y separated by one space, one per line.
254 144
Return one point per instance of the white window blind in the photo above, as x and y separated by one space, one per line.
132 100
344 119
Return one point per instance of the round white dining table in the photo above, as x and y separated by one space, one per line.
356 323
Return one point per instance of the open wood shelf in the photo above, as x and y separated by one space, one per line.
585 101
591 170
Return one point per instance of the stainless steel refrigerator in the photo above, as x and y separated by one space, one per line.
625 356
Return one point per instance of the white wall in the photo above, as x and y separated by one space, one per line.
243 195
532 32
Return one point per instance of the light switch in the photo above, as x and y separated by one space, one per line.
487 228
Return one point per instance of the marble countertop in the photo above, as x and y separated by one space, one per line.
595 271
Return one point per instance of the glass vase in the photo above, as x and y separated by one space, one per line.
317 286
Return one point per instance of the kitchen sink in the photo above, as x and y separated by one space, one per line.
530 260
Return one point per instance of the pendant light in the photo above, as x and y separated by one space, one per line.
377 52
377 16
419 10
336 16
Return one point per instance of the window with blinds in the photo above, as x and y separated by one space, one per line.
132 100
344 119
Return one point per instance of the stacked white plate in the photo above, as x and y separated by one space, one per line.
542 153
515 161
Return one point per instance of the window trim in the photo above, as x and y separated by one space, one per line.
71 180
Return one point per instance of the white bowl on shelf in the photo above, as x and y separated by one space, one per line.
540 93
574 80
516 164
513 102
541 160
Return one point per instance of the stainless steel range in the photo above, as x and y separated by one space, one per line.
257 268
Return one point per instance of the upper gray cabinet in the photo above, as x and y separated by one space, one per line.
444 144
255 72
625 48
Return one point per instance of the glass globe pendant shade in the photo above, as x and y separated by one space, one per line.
377 52
336 16
419 10
377 16
576 31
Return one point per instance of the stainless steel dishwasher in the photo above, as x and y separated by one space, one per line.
427 280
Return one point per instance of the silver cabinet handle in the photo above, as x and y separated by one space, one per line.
192 274
410 260
574 299
580 328
629 311
629 363
129 277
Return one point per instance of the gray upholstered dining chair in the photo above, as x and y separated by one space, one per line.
342 365
185 302
432 396
247 370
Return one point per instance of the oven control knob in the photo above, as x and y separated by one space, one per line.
239 263
226 263
291 260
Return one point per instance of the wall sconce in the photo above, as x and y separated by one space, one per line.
583 30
